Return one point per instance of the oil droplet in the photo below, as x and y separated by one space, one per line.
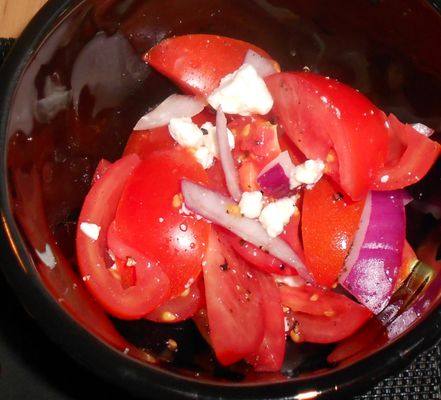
183 227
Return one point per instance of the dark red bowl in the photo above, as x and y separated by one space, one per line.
73 87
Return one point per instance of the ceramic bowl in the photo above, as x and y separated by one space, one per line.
73 87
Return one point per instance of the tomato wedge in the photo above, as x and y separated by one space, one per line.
150 220
323 316
255 256
234 303
180 307
329 223
323 116
197 63
151 286
271 352
417 155
147 141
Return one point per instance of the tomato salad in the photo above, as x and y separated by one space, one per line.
264 205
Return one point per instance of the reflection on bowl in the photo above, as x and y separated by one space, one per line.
77 86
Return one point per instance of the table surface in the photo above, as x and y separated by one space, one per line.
15 14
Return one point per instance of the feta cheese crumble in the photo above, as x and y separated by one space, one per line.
90 230
185 132
308 173
277 214
242 92
251 204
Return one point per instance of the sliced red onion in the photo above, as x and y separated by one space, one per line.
174 106
226 158
274 177
216 208
424 301
263 66
372 265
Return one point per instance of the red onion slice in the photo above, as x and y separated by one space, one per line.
274 177
372 265
174 106
226 158
263 66
216 208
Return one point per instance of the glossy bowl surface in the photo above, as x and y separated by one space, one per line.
75 85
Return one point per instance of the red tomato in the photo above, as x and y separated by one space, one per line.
57 272
197 63
255 256
411 155
149 217
100 170
256 140
151 286
180 307
323 316
145 142
234 303
248 176
320 115
271 352
329 223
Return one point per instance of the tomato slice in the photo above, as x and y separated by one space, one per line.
323 116
197 63
180 307
147 141
255 256
99 209
271 352
329 223
418 154
323 316
150 220
234 303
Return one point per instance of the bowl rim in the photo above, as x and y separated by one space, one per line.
100 357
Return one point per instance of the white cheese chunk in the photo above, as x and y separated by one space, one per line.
242 92
277 214
209 139
90 230
204 156
251 204
185 132
308 173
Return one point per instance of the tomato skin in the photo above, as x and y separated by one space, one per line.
419 153
255 256
329 224
180 307
197 63
271 352
323 316
234 303
320 115
148 220
147 141
151 284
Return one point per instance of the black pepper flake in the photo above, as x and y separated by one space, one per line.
338 196
282 267
242 242
204 131
224 266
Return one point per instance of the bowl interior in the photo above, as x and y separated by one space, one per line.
85 86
